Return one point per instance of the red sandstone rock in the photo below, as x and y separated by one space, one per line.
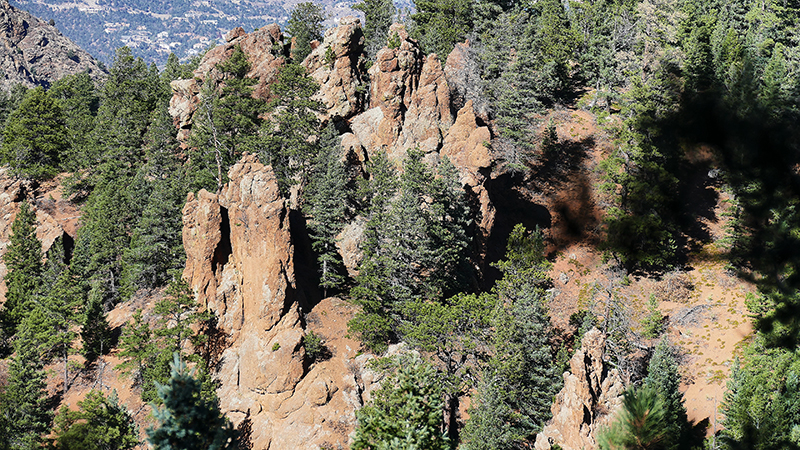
592 393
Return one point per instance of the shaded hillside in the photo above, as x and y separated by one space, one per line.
35 53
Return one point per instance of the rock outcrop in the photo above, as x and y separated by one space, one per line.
266 52
592 393
34 53
55 217
240 264
337 64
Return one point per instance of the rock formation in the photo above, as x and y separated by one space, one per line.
592 393
34 53
240 263
55 217
337 64
266 52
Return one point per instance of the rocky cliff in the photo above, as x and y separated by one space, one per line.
34 53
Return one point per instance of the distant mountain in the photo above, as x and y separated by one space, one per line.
153 30
33 52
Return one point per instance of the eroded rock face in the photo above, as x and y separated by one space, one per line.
35 53
266 52
337 64
592 393
409 100
240 263
56 217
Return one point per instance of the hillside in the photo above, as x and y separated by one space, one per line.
498 226
154 30
35 53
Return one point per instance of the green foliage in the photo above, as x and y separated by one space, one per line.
315 348
405 413
378 15
187 420
96 333
664 378
79 100
100 423
35 137
439 24
23 403
23 260
226 122
518 383
640 425
305 25
326 199
289 137
146 344
156 246
653 322
761 404
415 246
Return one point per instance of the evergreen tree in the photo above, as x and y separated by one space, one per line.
23 260
378 15
640 425
415 246
187 421
226 123
405 413
80 101
35 137
23 404
100 423
305 25
326 204
440 24
96 333
156 246
517 385
289 137
138 350
663 377
49 326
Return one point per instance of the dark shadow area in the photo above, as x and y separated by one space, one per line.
216 343
305 263
244 434
697 201
224 249
513 206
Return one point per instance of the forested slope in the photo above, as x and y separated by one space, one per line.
401 236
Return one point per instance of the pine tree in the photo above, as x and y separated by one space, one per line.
405 413
50 325
226 123
96 333
23 404
326 204
23 260
80 100
378 15
440 24
289 137
100 423
640 425
156 246
187 421
305 25
663 377
35 137
517 385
